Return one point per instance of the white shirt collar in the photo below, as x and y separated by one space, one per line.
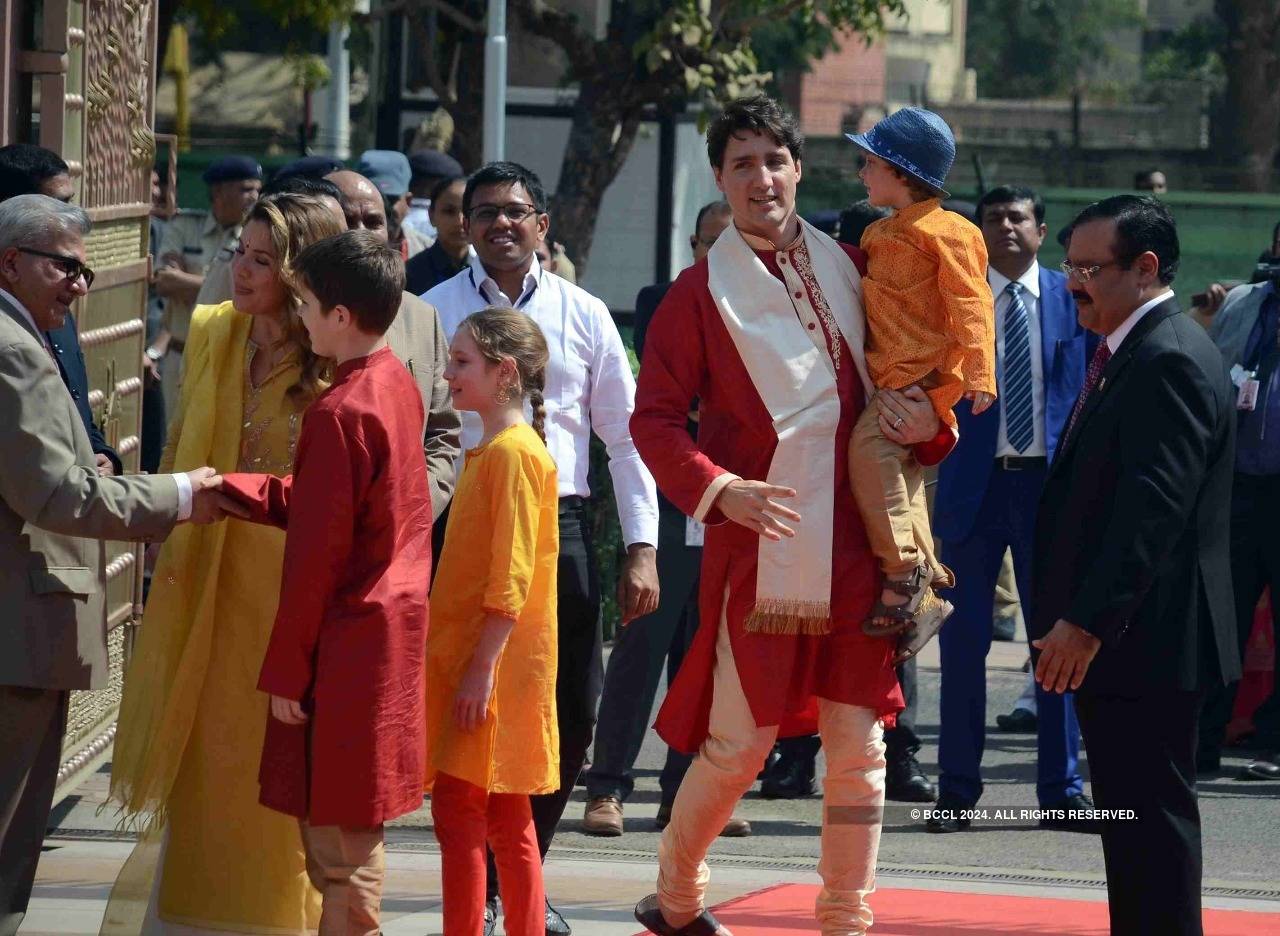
1030 280
488 287
1117 337
23 311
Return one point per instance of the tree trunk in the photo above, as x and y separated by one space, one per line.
600 139
1246 130
468 111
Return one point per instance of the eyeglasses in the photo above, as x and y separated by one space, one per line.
70 266
1083 273
514 212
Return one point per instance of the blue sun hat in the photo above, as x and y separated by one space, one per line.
915 140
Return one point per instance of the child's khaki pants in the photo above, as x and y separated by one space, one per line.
888 484
347 866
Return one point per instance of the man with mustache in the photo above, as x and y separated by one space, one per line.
1131 579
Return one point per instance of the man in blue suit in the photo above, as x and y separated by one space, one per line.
986 501
26 169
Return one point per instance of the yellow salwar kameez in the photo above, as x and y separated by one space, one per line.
500 554
192 721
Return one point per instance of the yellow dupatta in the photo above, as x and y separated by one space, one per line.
161 698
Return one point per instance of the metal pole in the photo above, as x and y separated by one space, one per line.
495 83
337 136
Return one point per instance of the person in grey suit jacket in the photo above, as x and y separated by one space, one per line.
1247 332
54 511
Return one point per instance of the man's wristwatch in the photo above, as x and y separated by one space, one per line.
153 354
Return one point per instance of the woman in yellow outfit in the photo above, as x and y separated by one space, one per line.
192 721
491 647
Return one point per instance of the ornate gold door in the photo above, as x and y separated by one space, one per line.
82 83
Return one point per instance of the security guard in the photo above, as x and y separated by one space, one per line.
186 273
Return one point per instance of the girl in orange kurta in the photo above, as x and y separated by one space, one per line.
491 650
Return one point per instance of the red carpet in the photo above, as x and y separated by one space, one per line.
788 909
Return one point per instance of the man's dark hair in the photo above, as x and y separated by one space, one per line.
1143 223
758 113
1004 194
857 218
715 207
443 184
505 173
357 270
23 166
306 185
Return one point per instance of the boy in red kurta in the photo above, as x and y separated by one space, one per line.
345 745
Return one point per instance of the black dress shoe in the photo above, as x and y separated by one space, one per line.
788 780
1262 769
948 815
1066 822
906 782
1019 721
490 917
556 924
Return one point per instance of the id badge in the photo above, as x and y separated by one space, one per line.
694 532
1247 398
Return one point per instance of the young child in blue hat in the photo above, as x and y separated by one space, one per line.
930 323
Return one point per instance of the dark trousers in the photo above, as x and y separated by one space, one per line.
1006 520
1255 565
640 652
580 666
900 741
153 425
32 722
1142 757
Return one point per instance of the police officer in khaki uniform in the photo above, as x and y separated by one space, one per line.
189 269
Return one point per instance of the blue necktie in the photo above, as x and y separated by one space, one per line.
1018 410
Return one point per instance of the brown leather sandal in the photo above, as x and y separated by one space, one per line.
930 617
901 617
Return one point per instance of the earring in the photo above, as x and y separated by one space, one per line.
503 396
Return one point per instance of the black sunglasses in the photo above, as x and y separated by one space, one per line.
71 266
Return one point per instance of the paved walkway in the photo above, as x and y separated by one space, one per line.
597 881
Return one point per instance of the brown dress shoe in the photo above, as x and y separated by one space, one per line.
603 816
734 828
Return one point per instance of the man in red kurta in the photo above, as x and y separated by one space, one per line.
347 752
768 334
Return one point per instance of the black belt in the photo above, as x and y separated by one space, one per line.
1020 462
573 502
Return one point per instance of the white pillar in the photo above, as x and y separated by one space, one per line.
495 83
335 135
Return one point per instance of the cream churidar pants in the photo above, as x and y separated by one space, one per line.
726 766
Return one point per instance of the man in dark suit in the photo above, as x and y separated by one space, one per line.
1132 605
26 169
646 646
986 503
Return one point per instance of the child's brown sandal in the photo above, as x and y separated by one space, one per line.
901 617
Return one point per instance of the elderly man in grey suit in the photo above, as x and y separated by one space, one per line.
54 511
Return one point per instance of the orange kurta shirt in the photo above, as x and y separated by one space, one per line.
928 306
500 554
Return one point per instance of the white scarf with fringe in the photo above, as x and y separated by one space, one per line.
794 374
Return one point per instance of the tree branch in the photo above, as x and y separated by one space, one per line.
562 28
448 10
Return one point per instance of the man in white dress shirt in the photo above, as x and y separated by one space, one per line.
589 388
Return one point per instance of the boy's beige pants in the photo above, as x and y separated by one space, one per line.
888 484
726 766
347 866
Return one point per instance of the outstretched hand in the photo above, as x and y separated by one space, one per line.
208 503
754 505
